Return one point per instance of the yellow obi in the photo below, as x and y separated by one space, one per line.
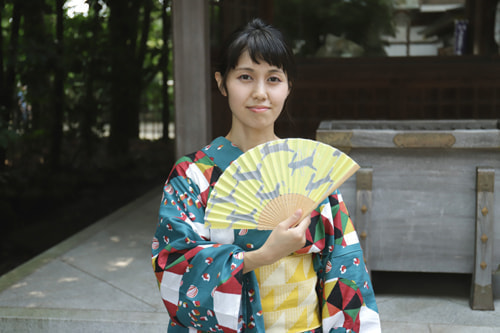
288 295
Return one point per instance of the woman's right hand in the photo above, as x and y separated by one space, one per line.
288 237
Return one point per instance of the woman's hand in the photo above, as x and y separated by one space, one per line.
287 237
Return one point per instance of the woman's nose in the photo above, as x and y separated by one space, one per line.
259 91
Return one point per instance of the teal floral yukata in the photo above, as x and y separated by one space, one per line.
200 270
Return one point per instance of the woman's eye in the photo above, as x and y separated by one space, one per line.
274 79
245 77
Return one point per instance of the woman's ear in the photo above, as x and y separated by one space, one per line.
220 83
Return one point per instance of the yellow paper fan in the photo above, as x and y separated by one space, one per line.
268 183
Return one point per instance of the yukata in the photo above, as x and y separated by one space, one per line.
200 270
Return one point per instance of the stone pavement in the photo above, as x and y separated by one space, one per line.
101 280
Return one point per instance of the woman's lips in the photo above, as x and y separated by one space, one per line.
258 108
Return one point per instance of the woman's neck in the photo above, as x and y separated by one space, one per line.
246 141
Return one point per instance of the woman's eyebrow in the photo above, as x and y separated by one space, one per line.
277 70
250 69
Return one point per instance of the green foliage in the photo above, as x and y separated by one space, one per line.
87 64
87 86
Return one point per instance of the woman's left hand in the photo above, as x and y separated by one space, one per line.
288 237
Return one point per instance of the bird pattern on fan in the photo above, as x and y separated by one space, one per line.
269 182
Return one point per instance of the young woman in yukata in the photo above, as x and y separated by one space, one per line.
306 278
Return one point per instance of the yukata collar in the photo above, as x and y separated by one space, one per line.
222 152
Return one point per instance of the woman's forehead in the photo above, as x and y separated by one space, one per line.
245 61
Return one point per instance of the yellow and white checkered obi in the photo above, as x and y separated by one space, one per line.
288 295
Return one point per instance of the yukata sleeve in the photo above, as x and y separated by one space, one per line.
346 292
200 281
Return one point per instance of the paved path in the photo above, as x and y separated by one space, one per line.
101 280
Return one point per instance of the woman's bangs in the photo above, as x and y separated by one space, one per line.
263 49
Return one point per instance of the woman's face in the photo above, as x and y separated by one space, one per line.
256 93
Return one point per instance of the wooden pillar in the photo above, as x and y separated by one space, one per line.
191 75
481 292
364 209
481 15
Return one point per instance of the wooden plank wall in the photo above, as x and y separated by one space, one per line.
425 192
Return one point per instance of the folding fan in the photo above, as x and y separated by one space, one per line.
268 183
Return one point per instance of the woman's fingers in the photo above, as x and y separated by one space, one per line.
304 224
293 219
288 237
293 230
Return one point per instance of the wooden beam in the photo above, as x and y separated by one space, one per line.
482 291
362 223
191 75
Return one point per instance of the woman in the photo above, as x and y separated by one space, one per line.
307 278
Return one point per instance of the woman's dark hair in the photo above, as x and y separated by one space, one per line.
263 43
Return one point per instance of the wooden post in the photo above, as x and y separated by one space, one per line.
482 25
364 209
481 291
191 75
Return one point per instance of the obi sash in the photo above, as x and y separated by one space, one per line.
288 295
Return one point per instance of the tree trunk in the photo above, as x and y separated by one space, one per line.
123 21
2 77
57 121
164 62
4 113
37 66
141 55
89 113
8 73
